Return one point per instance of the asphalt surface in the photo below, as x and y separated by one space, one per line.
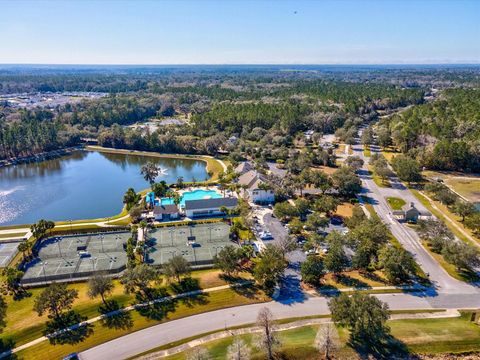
447 293
406 236
162 334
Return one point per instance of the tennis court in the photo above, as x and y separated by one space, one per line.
197 243
7 252
73 257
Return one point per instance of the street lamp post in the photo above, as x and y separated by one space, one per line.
59 249
93 263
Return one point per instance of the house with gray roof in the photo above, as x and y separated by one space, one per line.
256 188
166 212
209 207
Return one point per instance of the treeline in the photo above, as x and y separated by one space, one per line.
34 132
442 135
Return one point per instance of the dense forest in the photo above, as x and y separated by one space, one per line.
259 111
443 134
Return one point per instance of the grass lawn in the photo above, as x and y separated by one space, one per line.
366 151
10 235
389 153
354 279
467 186
377 179
24 325
326 169
420 336
344 210
451 270
396 203
442 212
101 333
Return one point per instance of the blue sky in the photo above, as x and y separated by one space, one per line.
240 32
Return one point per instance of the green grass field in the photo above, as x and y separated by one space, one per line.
24 325
422 336
396 203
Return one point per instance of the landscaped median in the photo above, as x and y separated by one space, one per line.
421 332
27 332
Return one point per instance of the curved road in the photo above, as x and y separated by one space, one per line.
447 293
162 334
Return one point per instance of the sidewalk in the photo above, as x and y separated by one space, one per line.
450 313
125 309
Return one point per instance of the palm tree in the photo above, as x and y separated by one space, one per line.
23 248
150 172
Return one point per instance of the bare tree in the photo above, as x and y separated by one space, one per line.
238 350
268 340
198 353
327 340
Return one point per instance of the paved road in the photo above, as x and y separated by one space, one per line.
406 236
155 336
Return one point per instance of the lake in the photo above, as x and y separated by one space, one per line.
82 185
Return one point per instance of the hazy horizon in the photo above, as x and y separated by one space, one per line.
209 32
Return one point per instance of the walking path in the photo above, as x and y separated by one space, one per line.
282 327
126 309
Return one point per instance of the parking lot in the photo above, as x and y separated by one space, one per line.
70 257
197 243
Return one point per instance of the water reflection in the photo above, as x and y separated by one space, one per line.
80 185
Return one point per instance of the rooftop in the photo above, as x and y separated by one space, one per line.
210 203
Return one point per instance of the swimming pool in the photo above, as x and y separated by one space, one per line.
193 195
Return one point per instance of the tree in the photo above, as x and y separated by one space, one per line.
358 216
269 266
461 255
355 162
473 222
316 221
176 267
55 299
268 340
335 261
150 172
160 189
227 260
303 207
384 137
312 270
464 208
364 315
180 183
238 350
138 279
398 265
346 181
285 210
12 277
41 228
198 353
367 136
135 212
23 247
326 204
130 198
327 340
3 313
100 285
287 244
406 168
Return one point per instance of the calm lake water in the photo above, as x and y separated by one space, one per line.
83 185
